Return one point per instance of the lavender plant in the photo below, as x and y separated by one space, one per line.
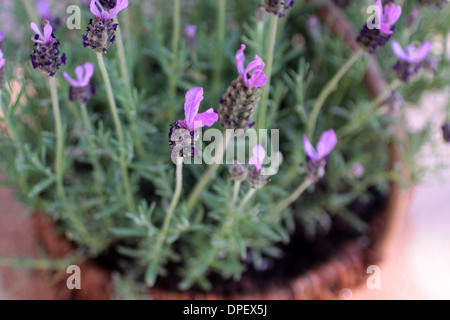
93 151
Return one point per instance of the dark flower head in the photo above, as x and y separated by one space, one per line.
378 34
100 33
277 7
238 105
45 55
108 4
238 172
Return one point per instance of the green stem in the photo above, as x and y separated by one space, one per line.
294 196
237 188
173 204
59 138
262 110
220 27
119 132
328 89
74 220
203 182
174 66
94 159
246 199
126 78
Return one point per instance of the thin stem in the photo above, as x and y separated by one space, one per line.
237 188
94 159
328 89
174 66
173 204
220 27
126 78
203 182
119 132
262 110
59 138
294 196
246 199
75 221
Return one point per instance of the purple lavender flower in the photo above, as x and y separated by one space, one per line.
277 7
374 37
182 134
100 32
316 159
238 105
45 54
410 60
258 77
256 178
191 38
81 89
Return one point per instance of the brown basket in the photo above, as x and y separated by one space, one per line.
346 269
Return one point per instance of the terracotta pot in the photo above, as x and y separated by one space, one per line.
346 269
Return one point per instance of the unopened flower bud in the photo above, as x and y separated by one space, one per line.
256 179
238 172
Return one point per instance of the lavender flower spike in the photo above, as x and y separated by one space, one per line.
258 77
45 54
410 60
100 32
238 105
183 138
378 34
81 90
316 159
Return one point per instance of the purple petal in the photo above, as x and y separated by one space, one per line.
240 58
207 118
47 31
422 52
73 82
89 72
309 149
95 7
326 143
190 30
398 51
391 13
258 157
191 105
79 72
36 30
258 77
385 28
